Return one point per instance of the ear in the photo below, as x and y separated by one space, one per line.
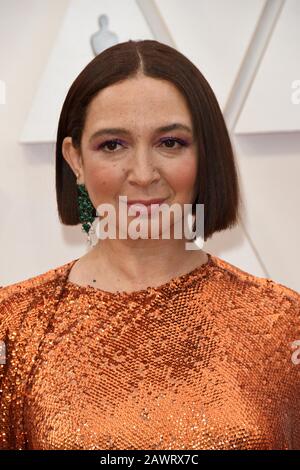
73 157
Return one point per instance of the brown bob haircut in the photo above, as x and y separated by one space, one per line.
217 174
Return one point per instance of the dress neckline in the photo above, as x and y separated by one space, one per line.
174 285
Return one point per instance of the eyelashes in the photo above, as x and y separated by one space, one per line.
182 143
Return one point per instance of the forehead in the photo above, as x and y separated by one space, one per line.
138 100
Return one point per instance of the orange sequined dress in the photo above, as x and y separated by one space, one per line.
203 361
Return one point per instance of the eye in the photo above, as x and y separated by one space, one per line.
171 140
110 143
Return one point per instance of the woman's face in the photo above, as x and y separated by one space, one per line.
140 161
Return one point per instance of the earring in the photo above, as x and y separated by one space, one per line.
86 210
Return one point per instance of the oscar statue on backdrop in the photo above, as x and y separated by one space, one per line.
103 38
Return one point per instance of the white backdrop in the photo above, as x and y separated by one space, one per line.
240 47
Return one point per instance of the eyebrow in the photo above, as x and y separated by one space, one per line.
122 130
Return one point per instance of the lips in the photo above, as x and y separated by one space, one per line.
147 206
145 203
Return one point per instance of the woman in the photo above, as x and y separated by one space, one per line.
141 343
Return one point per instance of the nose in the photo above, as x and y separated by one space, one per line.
142 168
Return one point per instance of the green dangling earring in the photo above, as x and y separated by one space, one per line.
87 212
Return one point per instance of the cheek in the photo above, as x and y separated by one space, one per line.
182 177
103 181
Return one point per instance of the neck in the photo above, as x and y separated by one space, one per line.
136 260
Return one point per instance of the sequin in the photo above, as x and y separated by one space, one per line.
203 361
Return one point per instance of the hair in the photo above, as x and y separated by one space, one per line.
217 177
